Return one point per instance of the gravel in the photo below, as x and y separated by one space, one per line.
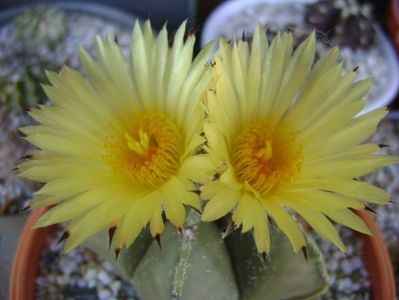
78 275
348 276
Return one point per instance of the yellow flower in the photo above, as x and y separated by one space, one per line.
116 146
285 136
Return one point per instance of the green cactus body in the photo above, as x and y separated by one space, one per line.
198 264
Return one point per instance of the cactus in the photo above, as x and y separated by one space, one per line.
23 63
346 22
40 26
198 264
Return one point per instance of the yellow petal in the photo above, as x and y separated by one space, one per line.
348 167
261 233
71 208
147 205
348 218
129 227
356 132
211 188
89 224
174 210
320 224
294 76
348 188
285 223
320 199
199 168
156 223
220 204
244 213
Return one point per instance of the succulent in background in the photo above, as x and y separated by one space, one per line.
41 26
323 15
21 89
22 63
346 22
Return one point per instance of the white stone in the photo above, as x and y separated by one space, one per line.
105 295
104 278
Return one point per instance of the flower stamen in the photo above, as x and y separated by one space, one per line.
148 152
141 146
266 156
266 152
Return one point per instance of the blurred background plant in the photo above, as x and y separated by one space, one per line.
23 63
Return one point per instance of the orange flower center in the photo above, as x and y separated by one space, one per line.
266 156
148 152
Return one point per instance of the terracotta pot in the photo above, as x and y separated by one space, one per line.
26 261
377 261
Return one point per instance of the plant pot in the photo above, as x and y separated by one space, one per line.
26 261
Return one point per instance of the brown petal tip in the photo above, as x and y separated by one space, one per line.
117 252
263 256
368 208
111 233
158 239
64 236
26 208
198 192
305 253
216 176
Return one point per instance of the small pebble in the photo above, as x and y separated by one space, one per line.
104 278
105 295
